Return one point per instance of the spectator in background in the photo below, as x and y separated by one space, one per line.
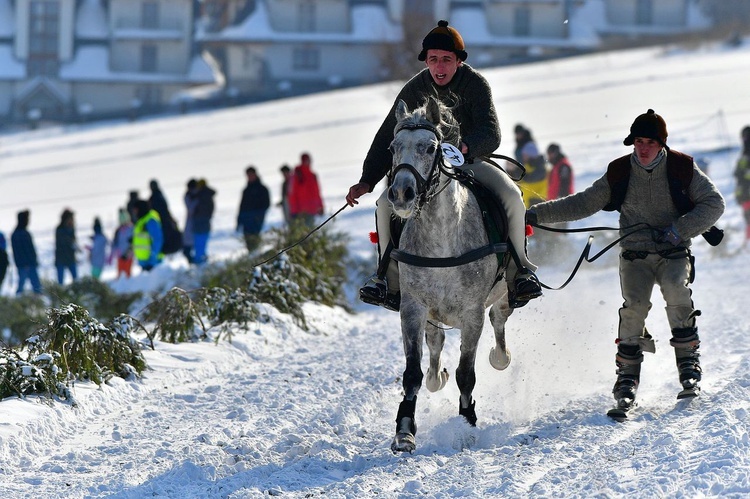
148 238
253 207
188 239
561 175
534 183
66 247
286 172
122 244
172 234
742 176
305 201
3 258
98 249
204 211
133 198
24 254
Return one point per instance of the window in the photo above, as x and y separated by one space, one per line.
44 38
306 59
306 19
522 21
150 15
644 13
419 8
148 58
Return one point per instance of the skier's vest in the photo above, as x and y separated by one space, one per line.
141 237
679 176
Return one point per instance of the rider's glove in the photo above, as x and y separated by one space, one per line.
531 217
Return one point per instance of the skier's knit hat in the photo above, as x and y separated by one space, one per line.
443 37
650 126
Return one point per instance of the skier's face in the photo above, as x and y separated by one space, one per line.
646 149
443 65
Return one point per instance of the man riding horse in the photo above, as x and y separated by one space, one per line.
460 87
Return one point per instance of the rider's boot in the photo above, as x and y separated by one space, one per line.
686 342
526 287
375 292
628 361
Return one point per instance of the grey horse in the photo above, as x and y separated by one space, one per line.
442 220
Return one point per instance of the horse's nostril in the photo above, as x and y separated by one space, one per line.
409 194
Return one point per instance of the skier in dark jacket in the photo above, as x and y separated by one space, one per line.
742 176
253 207
24 254
66 247
172 234
202 214
3 258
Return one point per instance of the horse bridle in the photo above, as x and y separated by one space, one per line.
424 185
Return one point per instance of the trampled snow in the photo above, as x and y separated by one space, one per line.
286 412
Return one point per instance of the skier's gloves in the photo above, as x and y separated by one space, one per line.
670 235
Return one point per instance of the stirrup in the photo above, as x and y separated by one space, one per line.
375 292
527 286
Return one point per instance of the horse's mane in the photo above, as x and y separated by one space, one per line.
448 128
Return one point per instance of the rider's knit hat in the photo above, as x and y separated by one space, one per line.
650 126
443 37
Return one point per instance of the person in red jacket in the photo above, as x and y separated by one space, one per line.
560 180
304 192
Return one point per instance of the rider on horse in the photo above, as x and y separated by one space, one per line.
463 89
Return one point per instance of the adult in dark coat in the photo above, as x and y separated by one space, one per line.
24 254
204 210
172 234
3 258
65 247
253 208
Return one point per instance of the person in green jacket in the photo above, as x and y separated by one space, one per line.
148 238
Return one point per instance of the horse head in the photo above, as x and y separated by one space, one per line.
417 156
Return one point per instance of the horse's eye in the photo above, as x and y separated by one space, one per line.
431 149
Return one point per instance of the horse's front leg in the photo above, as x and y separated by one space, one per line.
437 375
413 318
499 313
465 374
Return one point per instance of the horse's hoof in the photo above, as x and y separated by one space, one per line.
403 442
435 383
498 359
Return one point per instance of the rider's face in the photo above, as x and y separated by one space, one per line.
443 65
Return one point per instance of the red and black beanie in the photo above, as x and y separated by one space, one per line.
650 126
443 37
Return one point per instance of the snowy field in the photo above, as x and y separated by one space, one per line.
292 413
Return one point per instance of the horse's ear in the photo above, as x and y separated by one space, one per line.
433 111
401 110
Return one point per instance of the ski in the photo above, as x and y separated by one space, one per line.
689 393
620 411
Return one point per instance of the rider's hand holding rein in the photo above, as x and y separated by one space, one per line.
356 191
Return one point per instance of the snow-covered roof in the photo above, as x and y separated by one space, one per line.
471 22
92 64
12 69
91 21
370 23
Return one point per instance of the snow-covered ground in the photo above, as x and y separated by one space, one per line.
282 411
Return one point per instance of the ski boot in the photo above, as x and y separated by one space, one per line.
686 342
628 361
